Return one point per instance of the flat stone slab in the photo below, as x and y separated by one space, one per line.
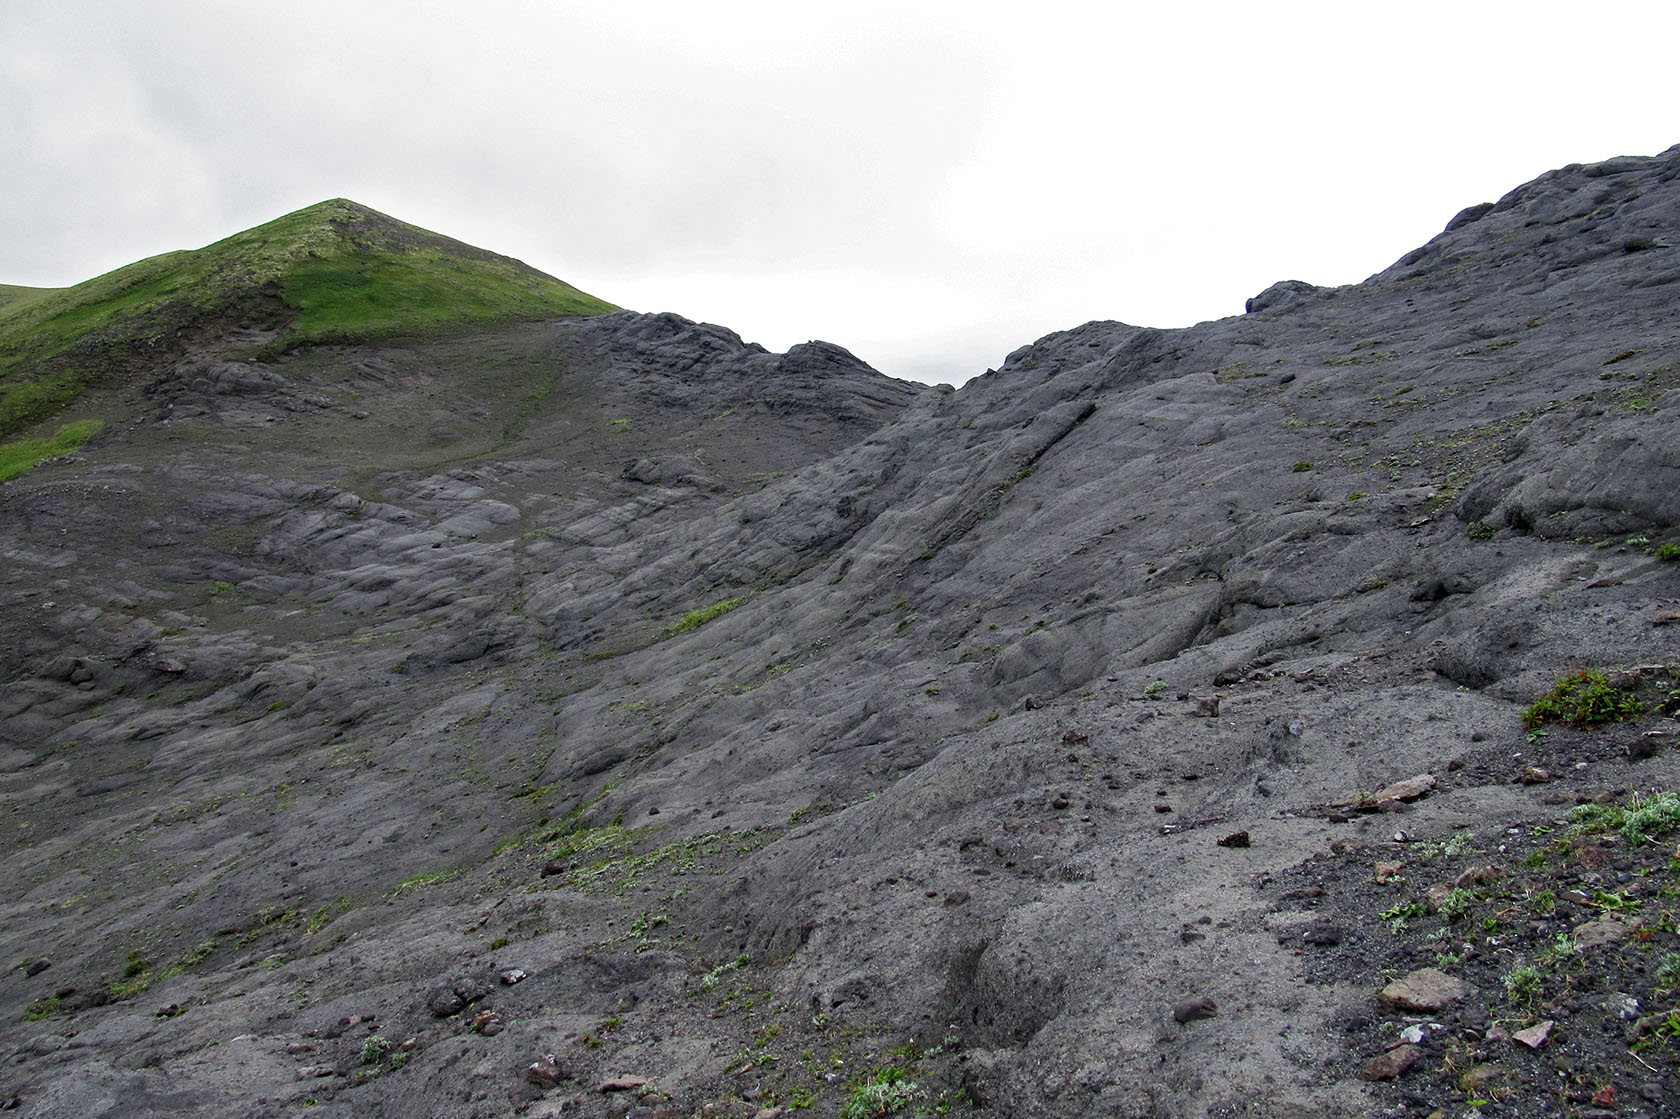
1427 989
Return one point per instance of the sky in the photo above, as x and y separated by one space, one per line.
930 185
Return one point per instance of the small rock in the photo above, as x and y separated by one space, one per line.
36 967
443 1003
173 1010
1323 935
1382 872
1191 1010
1472 1082
1163 808
1533 775
1391 1064
1426 990
623 1084
1536 1035
1644 748
1601 933
1401 792
1073 737
767 1113
487 1022
1625 1007
545 1074
511 976
1666 617
316 1072
1235 839
298 1048
1593 857
1059 802
956 897
1207 707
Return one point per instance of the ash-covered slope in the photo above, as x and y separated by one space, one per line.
771 785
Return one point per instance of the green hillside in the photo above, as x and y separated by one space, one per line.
335 271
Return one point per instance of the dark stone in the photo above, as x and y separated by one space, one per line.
1194 1009
1235 839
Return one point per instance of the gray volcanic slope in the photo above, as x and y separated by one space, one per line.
341 686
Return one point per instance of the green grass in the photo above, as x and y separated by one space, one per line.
335 271
21 455
428 878
694 619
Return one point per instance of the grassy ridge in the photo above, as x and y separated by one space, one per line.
24 454
335 271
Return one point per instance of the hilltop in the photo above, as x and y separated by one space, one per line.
335 271
604 716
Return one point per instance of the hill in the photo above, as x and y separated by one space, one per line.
335 271
654 725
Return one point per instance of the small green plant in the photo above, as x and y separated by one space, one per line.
711 978
1155 687
1668 971
1302 467
886 1092
499 943
1401 913
374 1050
1668 553
1522 985
1583 699
1457 903
1479 530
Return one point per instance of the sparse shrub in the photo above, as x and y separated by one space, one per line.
1302 467
374 1050
888 1091
1479 530
1669 553
1583 699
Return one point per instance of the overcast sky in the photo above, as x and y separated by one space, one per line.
929 185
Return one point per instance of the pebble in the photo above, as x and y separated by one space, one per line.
1235 839
1536 1035
1389 1065
1194 1009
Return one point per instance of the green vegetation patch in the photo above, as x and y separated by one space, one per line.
694 619
1583 699
22 455
1645 817
335 271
